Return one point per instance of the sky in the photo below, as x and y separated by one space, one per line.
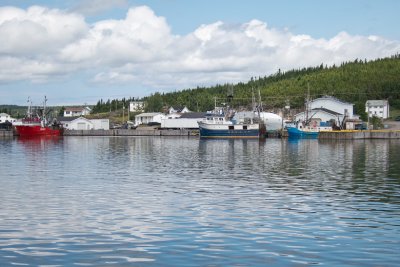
78 52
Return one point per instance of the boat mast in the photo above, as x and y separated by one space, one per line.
29 113
307 103
253 99
260 105
44 111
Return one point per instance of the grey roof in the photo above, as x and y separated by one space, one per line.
327 111
67 118
331 98
376 102
193 115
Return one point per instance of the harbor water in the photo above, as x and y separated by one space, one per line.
181 201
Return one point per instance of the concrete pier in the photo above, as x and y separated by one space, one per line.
6 133
333 135
129 132
368 134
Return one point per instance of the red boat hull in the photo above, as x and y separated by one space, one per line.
36 130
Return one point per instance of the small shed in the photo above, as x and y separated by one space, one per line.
81 123
145 118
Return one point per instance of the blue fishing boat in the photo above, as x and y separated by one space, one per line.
306 132
306 128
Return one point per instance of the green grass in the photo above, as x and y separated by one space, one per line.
394 113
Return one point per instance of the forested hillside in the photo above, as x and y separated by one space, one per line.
354 82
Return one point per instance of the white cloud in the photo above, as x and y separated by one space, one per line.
37 30
40 44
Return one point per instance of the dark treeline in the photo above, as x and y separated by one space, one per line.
111 105
355 82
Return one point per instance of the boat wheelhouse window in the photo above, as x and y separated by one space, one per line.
244 127
231 127
221 119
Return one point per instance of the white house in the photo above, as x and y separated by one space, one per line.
377 108
172 110
173 115
76 111
135 106
82 123
327 108
145 118
5 117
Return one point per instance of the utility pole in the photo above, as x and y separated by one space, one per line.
123 112
368 115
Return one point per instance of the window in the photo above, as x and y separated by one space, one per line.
231 127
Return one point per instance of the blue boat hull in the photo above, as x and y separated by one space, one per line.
296 133
207 133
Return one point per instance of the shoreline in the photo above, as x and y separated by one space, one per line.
331 135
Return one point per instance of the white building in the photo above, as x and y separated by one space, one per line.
5 117
76 111
136 106
377 108
327 108
185 121
145 118
85 124
333 104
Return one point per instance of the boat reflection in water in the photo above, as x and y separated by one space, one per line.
36 143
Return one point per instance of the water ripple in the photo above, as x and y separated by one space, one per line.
187 202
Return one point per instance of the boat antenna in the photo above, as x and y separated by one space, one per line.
44 110
253 99
307 102
229 95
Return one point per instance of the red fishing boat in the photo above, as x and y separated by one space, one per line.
37 125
